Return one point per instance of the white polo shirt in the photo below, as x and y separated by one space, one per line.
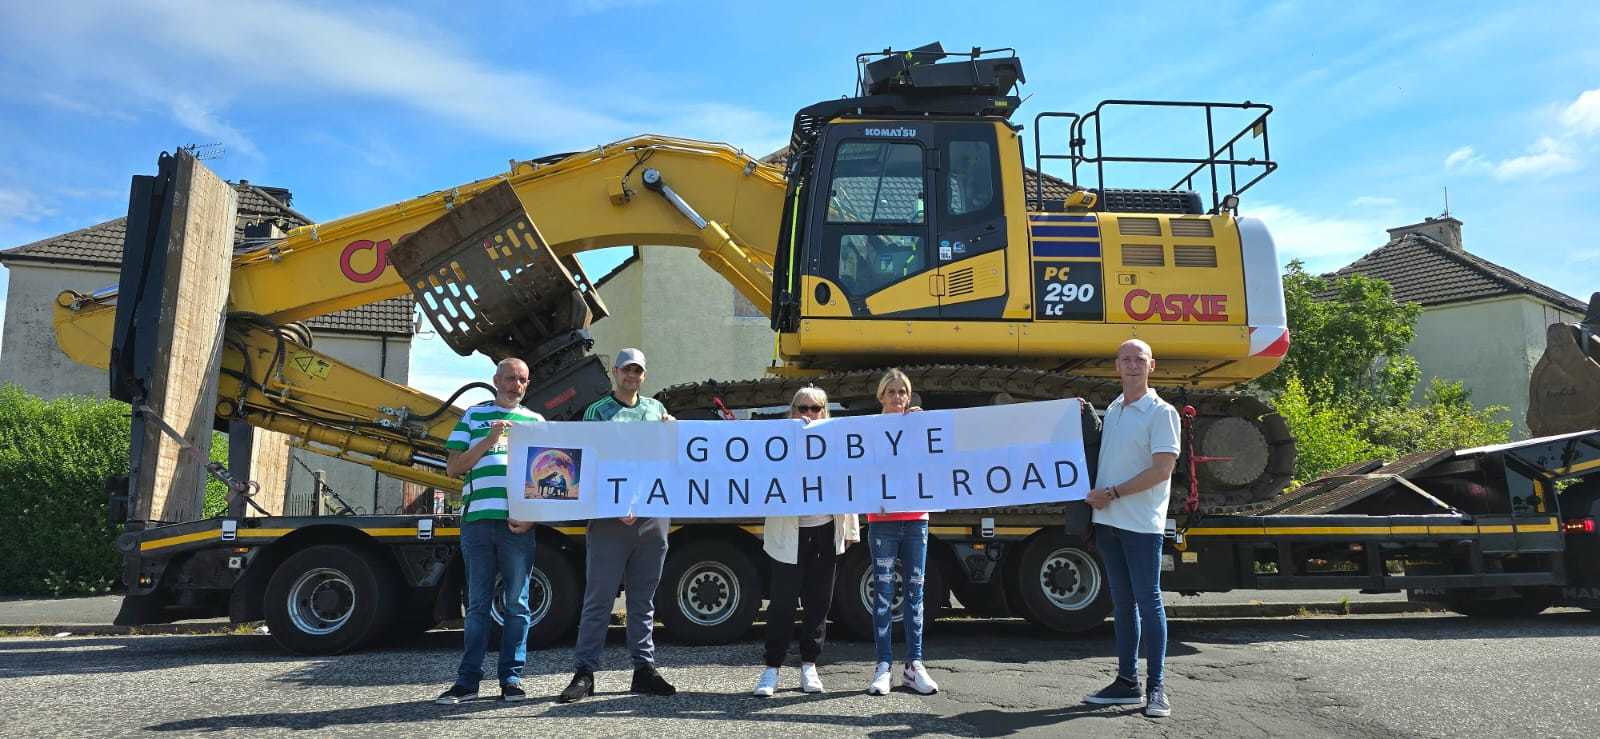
1132 433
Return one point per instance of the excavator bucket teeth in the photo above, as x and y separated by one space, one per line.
486 279
1564 392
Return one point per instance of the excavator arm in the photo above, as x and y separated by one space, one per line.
587 200
645 190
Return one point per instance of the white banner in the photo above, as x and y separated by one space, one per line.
934 460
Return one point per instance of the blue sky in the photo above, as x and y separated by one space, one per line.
1379 106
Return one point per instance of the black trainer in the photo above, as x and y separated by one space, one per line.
582 686
646 680
456 694
1121 691
512 692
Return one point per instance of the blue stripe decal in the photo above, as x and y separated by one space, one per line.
1037 218
1080 232
1061 249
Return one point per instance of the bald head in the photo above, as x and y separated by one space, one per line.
508 364
510 382
1135 361
1137 344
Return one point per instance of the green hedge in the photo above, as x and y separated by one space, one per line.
54 458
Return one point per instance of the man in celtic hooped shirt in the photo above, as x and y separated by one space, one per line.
623 551
491 543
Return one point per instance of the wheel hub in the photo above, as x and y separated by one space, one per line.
1069 579
708 593
321 601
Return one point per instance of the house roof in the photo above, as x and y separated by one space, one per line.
101 245
1423 270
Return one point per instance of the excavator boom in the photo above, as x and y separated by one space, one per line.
582 201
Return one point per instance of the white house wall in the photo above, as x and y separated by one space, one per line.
682 314
1491 346
29 355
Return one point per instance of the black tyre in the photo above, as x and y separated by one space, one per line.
1061 584
329 599
1525 603
852 594
709 594
555 598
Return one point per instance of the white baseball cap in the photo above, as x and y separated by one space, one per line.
629 356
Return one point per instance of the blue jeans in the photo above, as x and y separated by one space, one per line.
1133 570
488 548
908 542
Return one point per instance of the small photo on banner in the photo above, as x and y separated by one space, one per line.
554 473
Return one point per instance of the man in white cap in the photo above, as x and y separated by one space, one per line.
625 551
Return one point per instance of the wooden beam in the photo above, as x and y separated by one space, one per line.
183 387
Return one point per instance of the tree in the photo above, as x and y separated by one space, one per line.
1348 341
1327 436
1345 386
1445 420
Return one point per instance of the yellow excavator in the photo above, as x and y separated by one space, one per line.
902 228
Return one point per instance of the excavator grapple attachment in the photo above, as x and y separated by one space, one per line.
488 282
1564 392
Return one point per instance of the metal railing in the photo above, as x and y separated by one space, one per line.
1224 155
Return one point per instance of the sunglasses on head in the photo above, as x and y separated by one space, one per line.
808 408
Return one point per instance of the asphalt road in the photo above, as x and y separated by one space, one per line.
100 610
1414 675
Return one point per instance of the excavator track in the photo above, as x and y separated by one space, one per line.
1241 427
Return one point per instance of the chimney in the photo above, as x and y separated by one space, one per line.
1444 229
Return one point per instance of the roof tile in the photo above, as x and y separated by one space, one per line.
1422 270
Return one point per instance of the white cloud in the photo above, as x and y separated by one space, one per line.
1550 155
197 117
1547 157
90 109
586 7
1373 201
355 55
1583 115
18 205
1464 158
1323 243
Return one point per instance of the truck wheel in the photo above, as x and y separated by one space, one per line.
1062 584
1526 603
709 593
554 600
329 599
852 595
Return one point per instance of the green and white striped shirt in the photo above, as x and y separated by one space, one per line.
484 493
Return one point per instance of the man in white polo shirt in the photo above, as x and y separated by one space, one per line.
1138 451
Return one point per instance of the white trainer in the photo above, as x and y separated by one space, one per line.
880 680
767 684
917 678
810 681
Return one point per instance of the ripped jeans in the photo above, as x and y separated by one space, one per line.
908 542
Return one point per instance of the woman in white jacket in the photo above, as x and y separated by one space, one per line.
804 552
